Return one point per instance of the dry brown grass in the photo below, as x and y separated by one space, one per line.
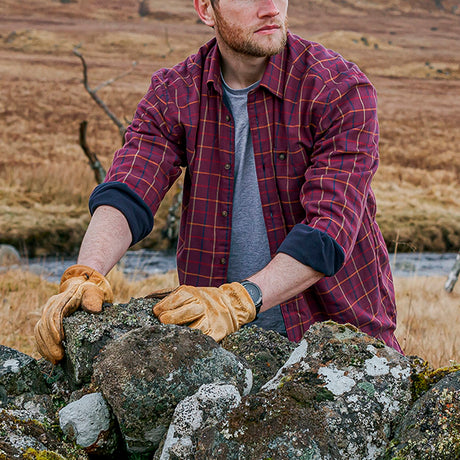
21 294
428 317
125 287
412 59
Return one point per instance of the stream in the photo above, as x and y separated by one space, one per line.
145 262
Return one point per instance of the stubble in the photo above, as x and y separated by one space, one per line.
243 41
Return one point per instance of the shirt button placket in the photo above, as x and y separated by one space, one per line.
228 169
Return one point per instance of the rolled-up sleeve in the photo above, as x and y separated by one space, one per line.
337 182
118 195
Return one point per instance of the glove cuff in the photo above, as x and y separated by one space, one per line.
247 310
87 274
81 270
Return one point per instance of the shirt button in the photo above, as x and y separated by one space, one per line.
227 117
225 213
282 156
228 166
223 260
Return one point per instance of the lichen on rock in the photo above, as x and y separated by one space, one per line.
264 351
86 334
148 371
319 403
19 374
25 438
193 415
431 428
175 393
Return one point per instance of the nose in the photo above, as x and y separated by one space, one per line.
268 8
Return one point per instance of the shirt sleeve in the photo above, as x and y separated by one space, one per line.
149 162
120 196
313 248
344 158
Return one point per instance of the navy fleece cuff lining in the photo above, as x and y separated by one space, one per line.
120 196
313 248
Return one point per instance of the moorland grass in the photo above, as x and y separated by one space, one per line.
428 317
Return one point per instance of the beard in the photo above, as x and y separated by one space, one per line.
242 41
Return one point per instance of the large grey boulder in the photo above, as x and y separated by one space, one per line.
148 371
336 397
9 255
431 428
175 393
86 334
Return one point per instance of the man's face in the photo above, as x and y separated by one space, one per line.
252 27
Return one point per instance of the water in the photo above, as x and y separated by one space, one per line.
422 264
143 263
136 265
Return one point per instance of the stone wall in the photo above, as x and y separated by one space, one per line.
131 387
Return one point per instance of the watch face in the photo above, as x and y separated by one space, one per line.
254 292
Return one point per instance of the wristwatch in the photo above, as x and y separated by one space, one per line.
255 293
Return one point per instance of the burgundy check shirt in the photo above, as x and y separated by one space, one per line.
313 121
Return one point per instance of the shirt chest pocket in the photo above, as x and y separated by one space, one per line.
291 163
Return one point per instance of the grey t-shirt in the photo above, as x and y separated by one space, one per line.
249 249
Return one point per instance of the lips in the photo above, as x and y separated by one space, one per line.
268 28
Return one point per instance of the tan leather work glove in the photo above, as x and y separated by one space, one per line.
215 311
80 286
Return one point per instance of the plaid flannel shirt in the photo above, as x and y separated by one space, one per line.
313 121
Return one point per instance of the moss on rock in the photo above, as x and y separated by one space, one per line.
431 428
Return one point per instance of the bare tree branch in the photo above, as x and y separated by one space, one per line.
113 80
93 91
96 166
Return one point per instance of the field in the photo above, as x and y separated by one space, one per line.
408 48
428 317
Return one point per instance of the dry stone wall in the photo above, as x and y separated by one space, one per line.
131 387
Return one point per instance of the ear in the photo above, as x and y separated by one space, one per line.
205 11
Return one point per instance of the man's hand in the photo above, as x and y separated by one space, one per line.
80 286
215 311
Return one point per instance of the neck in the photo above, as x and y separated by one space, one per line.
241 71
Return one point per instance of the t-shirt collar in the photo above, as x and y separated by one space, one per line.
273 78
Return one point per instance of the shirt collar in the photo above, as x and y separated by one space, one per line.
273 78
212 66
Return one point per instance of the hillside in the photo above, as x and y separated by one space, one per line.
408 48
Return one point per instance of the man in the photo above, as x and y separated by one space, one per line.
279 138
